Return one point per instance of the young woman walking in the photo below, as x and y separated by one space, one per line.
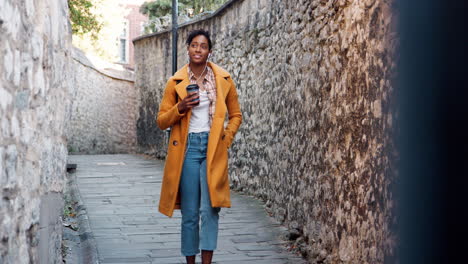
196 169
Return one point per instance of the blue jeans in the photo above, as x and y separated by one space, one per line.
195 200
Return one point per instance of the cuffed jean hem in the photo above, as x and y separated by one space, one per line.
190 253
209 249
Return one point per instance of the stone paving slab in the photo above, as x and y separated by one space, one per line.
121 192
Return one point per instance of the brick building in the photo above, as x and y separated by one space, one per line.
132 28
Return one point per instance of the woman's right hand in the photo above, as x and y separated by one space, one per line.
186 103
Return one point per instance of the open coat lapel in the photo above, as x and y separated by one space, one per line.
182 75
217 127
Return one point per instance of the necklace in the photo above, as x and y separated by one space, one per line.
201 73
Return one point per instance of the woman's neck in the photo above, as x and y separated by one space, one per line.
197 69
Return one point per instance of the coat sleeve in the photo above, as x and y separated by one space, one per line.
234 112
168 113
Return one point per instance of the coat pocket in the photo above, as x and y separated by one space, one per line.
225 140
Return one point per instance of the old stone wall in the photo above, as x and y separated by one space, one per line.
104 107
152 69
35 79
315 86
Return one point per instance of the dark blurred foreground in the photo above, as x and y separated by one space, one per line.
433 89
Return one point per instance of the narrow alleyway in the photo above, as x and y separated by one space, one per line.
121 192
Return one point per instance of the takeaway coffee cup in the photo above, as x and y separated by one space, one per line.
193 88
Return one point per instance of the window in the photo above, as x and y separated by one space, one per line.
123 53
123 43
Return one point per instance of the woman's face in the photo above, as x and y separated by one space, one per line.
198 50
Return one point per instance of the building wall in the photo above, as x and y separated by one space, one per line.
35 82
104 108
315 87
135 18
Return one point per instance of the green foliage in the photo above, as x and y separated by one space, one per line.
70 149
159 11
157 8
110 15
83 20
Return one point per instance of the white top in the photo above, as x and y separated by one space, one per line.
200 120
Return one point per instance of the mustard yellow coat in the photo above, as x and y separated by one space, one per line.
220 138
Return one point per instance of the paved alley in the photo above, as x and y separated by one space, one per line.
121 192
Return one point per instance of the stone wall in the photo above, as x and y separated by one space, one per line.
104 107
315 87
152 69
35 78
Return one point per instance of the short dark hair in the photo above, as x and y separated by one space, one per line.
199 32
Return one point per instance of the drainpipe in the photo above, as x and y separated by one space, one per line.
174 35
175 11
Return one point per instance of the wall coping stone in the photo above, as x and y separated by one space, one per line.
219 11
112 70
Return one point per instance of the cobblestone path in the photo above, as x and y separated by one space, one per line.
121 192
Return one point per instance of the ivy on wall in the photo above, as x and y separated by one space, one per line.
82 19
